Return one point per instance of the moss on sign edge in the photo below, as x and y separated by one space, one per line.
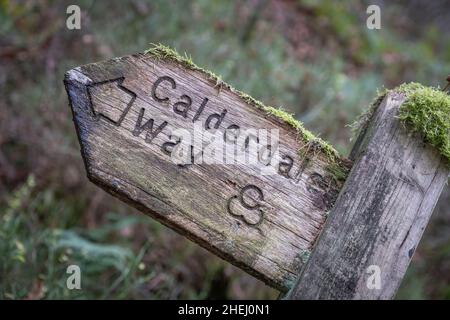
160 51
426 110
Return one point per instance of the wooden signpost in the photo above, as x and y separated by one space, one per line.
128 114
380 215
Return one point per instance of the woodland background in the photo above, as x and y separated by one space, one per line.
315 58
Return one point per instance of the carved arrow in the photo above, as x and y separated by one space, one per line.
121 97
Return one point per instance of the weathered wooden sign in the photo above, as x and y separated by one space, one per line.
132 115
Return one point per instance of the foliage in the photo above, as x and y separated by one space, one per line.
37 247
427 111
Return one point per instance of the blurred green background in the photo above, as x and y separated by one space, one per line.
317 59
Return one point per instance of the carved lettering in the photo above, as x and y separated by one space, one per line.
157 83
218 119
182 107
167 147
151 133
245 200
316 183
285 166
232 130
200 110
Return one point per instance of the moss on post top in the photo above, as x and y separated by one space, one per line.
159 51
426 110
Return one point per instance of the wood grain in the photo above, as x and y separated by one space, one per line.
380 214
265 224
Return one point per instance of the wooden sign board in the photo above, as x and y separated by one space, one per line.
126 111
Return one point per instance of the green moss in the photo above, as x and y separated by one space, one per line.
426 110
160 51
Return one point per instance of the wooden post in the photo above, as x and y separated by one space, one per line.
381 212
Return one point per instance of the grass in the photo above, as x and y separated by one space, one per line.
162 52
